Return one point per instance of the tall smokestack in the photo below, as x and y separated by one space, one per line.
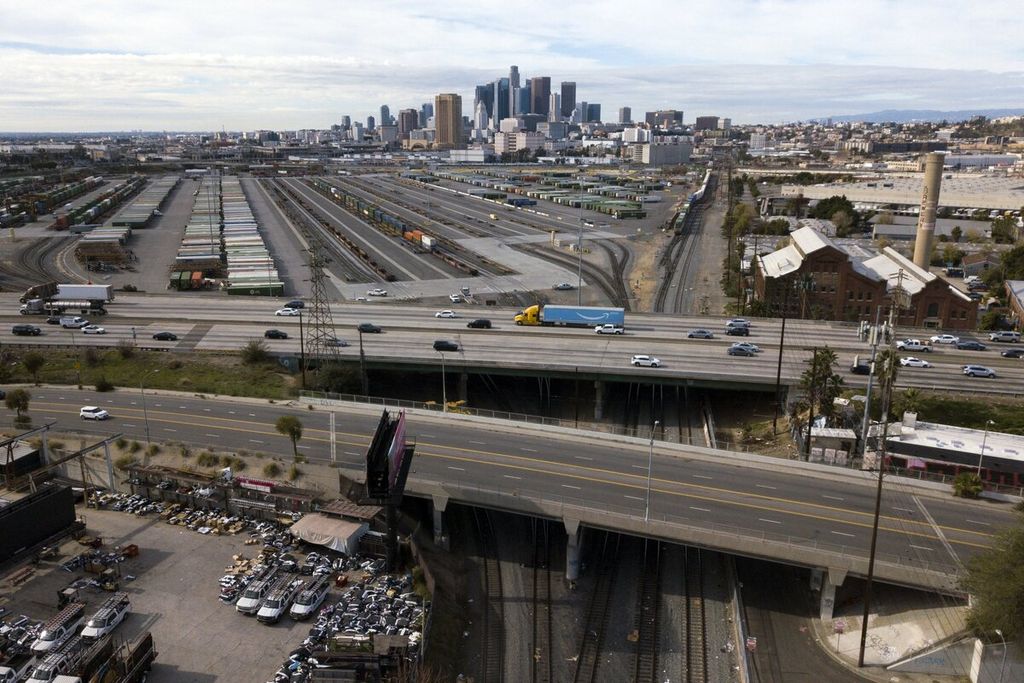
929 203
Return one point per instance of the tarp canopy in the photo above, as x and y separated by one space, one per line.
336 534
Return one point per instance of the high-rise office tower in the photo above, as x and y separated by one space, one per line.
357 132
370 123
625 115
385 115
480 117
568 98
513 76
502 100
594 112
408 121
513 87
485 94
426 111
706 123
540 93
523 98
555 107
346 122
448 121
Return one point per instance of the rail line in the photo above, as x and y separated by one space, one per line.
29 266
493 642
645 668
592 274
542 666
677 259
696 626
589 656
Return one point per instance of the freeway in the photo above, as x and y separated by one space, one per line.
220 323
744 504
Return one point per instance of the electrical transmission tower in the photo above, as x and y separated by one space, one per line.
318 345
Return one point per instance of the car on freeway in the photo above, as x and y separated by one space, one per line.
737 322
165 336
368 328
26 330
970 345
911 362
446 314
1004 336
737 331
445 345
93 413
93 329
740 351
860 368
562 286
335 342
1013 353
287 311
275 334
53 320
610 328
978 371
747 345
3 394
455 298
376 291
296 303
945 339
913 345
700 334
641 360
479 323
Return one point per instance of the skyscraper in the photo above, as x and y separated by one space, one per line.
540 93
485 94
480 117
513 87
568 98
555 107
706 123
346 122
370 123
408 120
625 115
523 98
426 111
502 109
594 112
448 121
385 115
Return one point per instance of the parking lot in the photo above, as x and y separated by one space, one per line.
175 595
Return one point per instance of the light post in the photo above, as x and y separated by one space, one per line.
650 463
1002 664
444 386
981 456
579 251
142 390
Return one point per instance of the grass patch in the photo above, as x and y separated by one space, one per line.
294 473
124 462
206 459
121 443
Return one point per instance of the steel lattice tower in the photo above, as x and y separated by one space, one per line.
317 345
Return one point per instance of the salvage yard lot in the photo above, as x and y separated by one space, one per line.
198 638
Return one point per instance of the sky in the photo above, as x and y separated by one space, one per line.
227 64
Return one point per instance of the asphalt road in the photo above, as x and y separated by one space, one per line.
409 332
727 496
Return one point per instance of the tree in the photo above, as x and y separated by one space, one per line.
17 400
820 382
843 222
1003 229
992 320
255 352
34 362
993 579
957 232
826 208
908 402
795 205
290 426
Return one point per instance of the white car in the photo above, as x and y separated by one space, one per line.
945 339
645 361
911 362
609 328
376 291
455 298
563 286
93 413
446 314
93 329
738 322
747 345
287 311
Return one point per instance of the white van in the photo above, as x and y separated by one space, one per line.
59 629
253 595
110 614
310 599
74 322
278 600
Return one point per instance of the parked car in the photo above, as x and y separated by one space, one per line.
1004 336
700 334
945 339
26 330
376 291
368 328
645 361
165 336
275 334
287 311
747 345
737 331
480 323
978 371
740 351
970 345
1013 353
563 286
911 362
610 328
93 413
93 329
446 314
445 345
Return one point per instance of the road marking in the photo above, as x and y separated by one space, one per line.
182 407
306 447
974 521
231 412
255 441
511 476
832 497
168 429
460 469
528 450
702 476
921 547
351 453
632 497
569 486
902 509
479 443
770 521
765 486
130 402
215 436
640 467
429 436
252 414
158 405
206 410
692 507
843 533
128 424
582 457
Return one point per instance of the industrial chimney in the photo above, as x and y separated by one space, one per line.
929 204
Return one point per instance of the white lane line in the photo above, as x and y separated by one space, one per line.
351 453
511 476
770 521
832 497
974 521
640 467
528 450
182 407
700 509
306 447
168 429
633 497
764 486
252 414
206 410
582 457
902 509
255 441
129 403
128 424
158 405
843 533
921 547
479 443
214 435
429 436
460 469
568 486
702 476
231 412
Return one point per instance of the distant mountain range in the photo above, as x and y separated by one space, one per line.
923 115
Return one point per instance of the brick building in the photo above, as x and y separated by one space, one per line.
814 277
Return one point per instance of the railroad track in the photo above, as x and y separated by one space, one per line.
589 656
696 626
542 660
591 273
493 642
677 259
618 256
29 266
649 596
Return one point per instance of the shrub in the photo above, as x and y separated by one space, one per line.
186 452
254 352
241 452
967 485
129 288
126 348
56 445
225 460
91 356
271 469
238 464
294 473
206 459
124 462
104 384
175 364
23 421
153 449
121 443
135 447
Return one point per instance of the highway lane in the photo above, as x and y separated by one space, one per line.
687 487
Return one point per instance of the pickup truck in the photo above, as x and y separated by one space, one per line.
913 345
609 328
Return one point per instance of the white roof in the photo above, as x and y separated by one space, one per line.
887 265
808 240
1007 446
781 262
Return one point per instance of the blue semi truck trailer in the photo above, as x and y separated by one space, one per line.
571 316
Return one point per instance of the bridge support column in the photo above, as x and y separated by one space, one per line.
464 386
598 400
827 581
572 550
440 504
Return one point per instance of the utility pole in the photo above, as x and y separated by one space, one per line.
778 369
810 401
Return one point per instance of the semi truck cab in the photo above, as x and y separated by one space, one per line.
528 316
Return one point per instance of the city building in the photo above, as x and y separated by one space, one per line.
593 113
1015 300
724 124
759 141
408 121
426 113
508 143
510 125
522 100
665 119
555 107
540 95
661 153
568 98
387 134
480 117
502 101
554 130
346 122
485 94
385 115
625 115
370 123
448 121
357 131
706 123
815 277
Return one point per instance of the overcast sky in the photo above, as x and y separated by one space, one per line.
184 65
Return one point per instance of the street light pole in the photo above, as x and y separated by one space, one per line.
650 463
1002 664
988 423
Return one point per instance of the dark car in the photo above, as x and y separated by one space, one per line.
445 345
970 345
738 331
703 334
338 343
860 369
368 328
3 394
1013 353
275 334
740 351
165 336
26 330
53 320
295 304
480 323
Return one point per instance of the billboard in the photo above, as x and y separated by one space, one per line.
387 458
396 452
